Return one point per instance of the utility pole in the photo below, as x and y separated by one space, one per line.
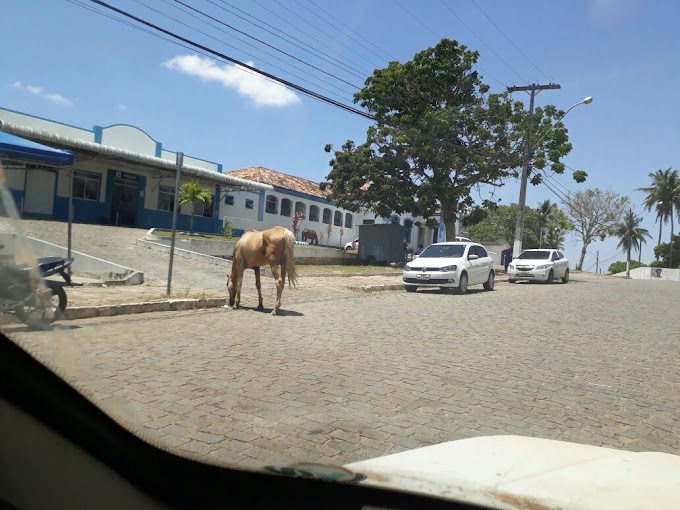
519 226
597 262
179 160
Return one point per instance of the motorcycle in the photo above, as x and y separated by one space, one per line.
26 291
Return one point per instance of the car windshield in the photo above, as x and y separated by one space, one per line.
443 251
535 255
241 184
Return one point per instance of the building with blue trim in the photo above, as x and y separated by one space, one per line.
122 176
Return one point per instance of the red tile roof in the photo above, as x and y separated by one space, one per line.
281 180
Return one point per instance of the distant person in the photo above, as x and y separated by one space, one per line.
658 273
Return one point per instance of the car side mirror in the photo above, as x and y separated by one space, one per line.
473 257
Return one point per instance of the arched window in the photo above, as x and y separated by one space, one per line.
395 219
301 208
327 216
286 207
271 205
348 220
337 219
313 213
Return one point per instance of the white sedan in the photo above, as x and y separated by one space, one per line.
539 265
450 265
352 245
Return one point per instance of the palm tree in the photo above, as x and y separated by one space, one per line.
631 235
545 215
191 193
555 238
663 196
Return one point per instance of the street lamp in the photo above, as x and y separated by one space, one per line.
519 225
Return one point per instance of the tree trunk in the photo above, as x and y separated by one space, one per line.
579 266
191 224
450 217
660 225
628 261
670 245
640 255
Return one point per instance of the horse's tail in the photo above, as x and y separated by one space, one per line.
288 257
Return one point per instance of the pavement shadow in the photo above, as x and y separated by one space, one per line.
285 313
22 328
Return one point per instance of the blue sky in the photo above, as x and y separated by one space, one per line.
66 63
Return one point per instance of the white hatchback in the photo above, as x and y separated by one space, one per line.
450 265
539 265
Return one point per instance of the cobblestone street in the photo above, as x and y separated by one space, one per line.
342 377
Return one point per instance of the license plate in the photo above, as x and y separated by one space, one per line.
422 276
523 274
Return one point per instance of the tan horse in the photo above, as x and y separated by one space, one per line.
258 248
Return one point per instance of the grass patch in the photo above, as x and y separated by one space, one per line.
202 235
307 269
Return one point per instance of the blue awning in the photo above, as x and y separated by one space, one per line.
16 148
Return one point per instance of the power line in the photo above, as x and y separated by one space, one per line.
354 31
510 41
309 49
247 53
268 45
232 60
482 41
427 27
340 31
80 3
318 41
326 34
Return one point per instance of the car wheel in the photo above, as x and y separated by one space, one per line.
551 277
409 288
512 280
463 284
490 282
565 278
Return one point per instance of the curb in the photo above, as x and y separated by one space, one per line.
396 286
171 305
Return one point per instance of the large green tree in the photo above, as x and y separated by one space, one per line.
595 214
439 134
497 223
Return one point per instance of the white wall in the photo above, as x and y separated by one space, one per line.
46 125
649 273
239 212
15 179
129 138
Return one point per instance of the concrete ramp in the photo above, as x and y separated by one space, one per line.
22 249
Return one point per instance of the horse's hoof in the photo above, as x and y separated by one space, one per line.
260 308
275 312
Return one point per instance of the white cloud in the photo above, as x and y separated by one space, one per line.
39 91
260 90
613 12
59 99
